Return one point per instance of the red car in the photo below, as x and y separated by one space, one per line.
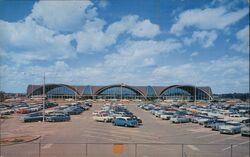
23 110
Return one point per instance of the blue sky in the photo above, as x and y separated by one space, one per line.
142 42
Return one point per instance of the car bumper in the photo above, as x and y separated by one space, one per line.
245 133
224 131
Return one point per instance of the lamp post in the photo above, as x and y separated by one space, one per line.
195 94
121 91
44 96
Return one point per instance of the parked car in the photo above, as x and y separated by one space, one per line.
210 123
32 117
23 110
7 112
73 110
167 115
148 107
125 121
88 104
179 119
245 131
153 111
103 118
246 121
201 121
230 128
57 117
138 119
217 124
159 113
50 104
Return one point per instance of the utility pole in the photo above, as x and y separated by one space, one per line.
43 96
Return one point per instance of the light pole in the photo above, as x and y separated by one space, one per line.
121 91
195 94
44 96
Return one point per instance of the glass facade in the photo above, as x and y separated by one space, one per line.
87 90
150 91
123 92
184 93
56 92
61 91
119 92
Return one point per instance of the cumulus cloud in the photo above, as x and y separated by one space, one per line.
194 54
103 3
66 16
205 38
26 41
224 74
140 53
93 37
209 18
243 40
133 25
41 35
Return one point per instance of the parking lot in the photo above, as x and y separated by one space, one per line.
82 136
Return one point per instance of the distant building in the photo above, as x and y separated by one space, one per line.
121 91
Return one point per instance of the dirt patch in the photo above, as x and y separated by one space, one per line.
17 139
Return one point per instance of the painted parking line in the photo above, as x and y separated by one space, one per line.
224 139
47 146
199 130
95 137
163 148
204 136
114 135
194 148
125 133
117 140
97 134
236 145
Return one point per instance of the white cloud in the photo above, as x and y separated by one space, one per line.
132 24
26 41
140 53
225 74
194 54
66 16
205 38
243 40
209 18
103 3
94 38
145 29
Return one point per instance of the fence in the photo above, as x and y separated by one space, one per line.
41 149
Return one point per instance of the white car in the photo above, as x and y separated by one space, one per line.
245 131
103 118
179 120
167 115
98 112
230 127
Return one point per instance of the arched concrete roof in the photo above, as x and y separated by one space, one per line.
119 85
33 88
97 89
206 90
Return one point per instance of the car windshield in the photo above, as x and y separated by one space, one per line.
234 124
130 119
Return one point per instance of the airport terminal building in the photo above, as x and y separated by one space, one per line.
121 91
